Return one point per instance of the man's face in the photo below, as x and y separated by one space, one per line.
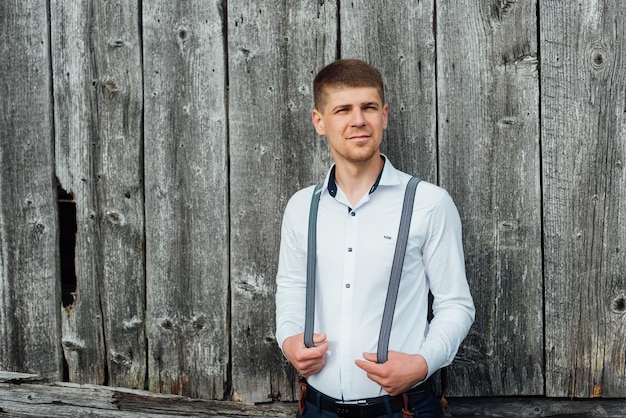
353 120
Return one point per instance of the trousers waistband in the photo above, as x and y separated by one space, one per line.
370 407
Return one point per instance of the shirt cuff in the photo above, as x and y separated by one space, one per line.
285 331
434 360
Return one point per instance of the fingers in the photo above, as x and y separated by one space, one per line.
370 357
370 365
319 338
306 360
398 374
310 361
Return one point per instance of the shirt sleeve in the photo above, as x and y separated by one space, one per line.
453 307
291 275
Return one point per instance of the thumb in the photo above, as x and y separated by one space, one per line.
319 338
370 357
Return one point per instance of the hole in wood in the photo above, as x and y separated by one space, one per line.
619 304
67 225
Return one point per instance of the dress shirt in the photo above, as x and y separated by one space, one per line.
355 248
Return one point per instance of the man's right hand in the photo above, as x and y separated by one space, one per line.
307 361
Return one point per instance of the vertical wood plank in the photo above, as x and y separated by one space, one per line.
583 81
274 50
76 137
488 129
398 39
186 197
98 99
29 253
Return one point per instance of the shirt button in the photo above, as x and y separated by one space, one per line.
349 249
347 285
352 213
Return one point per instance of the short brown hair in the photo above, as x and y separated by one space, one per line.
346 73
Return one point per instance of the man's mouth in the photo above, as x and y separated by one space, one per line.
358 137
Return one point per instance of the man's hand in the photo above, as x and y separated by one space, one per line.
400 373
306 360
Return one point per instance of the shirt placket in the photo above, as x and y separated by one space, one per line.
347 304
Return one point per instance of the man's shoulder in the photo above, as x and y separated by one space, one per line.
431 188
401 178
430 194
301 199
424 186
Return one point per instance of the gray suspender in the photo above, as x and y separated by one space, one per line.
396 268
311 251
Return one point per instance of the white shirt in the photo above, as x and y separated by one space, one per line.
355 249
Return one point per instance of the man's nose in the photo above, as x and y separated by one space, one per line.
357 118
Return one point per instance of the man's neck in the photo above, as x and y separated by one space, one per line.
356 180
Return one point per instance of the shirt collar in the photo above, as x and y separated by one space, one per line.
387 176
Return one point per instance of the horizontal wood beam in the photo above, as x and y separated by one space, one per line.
24 395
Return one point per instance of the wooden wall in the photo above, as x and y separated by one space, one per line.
147 151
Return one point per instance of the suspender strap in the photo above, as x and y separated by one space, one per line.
396 269
310 267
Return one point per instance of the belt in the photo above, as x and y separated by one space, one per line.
367 408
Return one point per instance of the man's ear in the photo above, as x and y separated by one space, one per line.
318 122
385 115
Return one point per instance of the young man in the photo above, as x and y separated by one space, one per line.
357 224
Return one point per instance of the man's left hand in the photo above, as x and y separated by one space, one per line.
400 373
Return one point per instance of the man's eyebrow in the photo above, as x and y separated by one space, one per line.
349 105
341 106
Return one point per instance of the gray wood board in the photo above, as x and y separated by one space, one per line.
488 130
583 81
98 121
274 52
186 182
29 253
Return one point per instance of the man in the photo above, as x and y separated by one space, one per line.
359 213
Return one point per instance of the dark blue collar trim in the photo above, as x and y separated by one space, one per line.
332 184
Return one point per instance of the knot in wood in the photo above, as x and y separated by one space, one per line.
110 87
619 304
73 343
198 322
120 358
598 57
132 323
114 217
116 43
166 323
182 34
501 8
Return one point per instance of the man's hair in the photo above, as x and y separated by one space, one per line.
346 73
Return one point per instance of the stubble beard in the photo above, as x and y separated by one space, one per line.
362 153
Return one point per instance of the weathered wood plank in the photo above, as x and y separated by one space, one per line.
534 407
29 254
98 120
186 197
583 133
72 400
488 129
398 39
76 130
13 377
275 49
